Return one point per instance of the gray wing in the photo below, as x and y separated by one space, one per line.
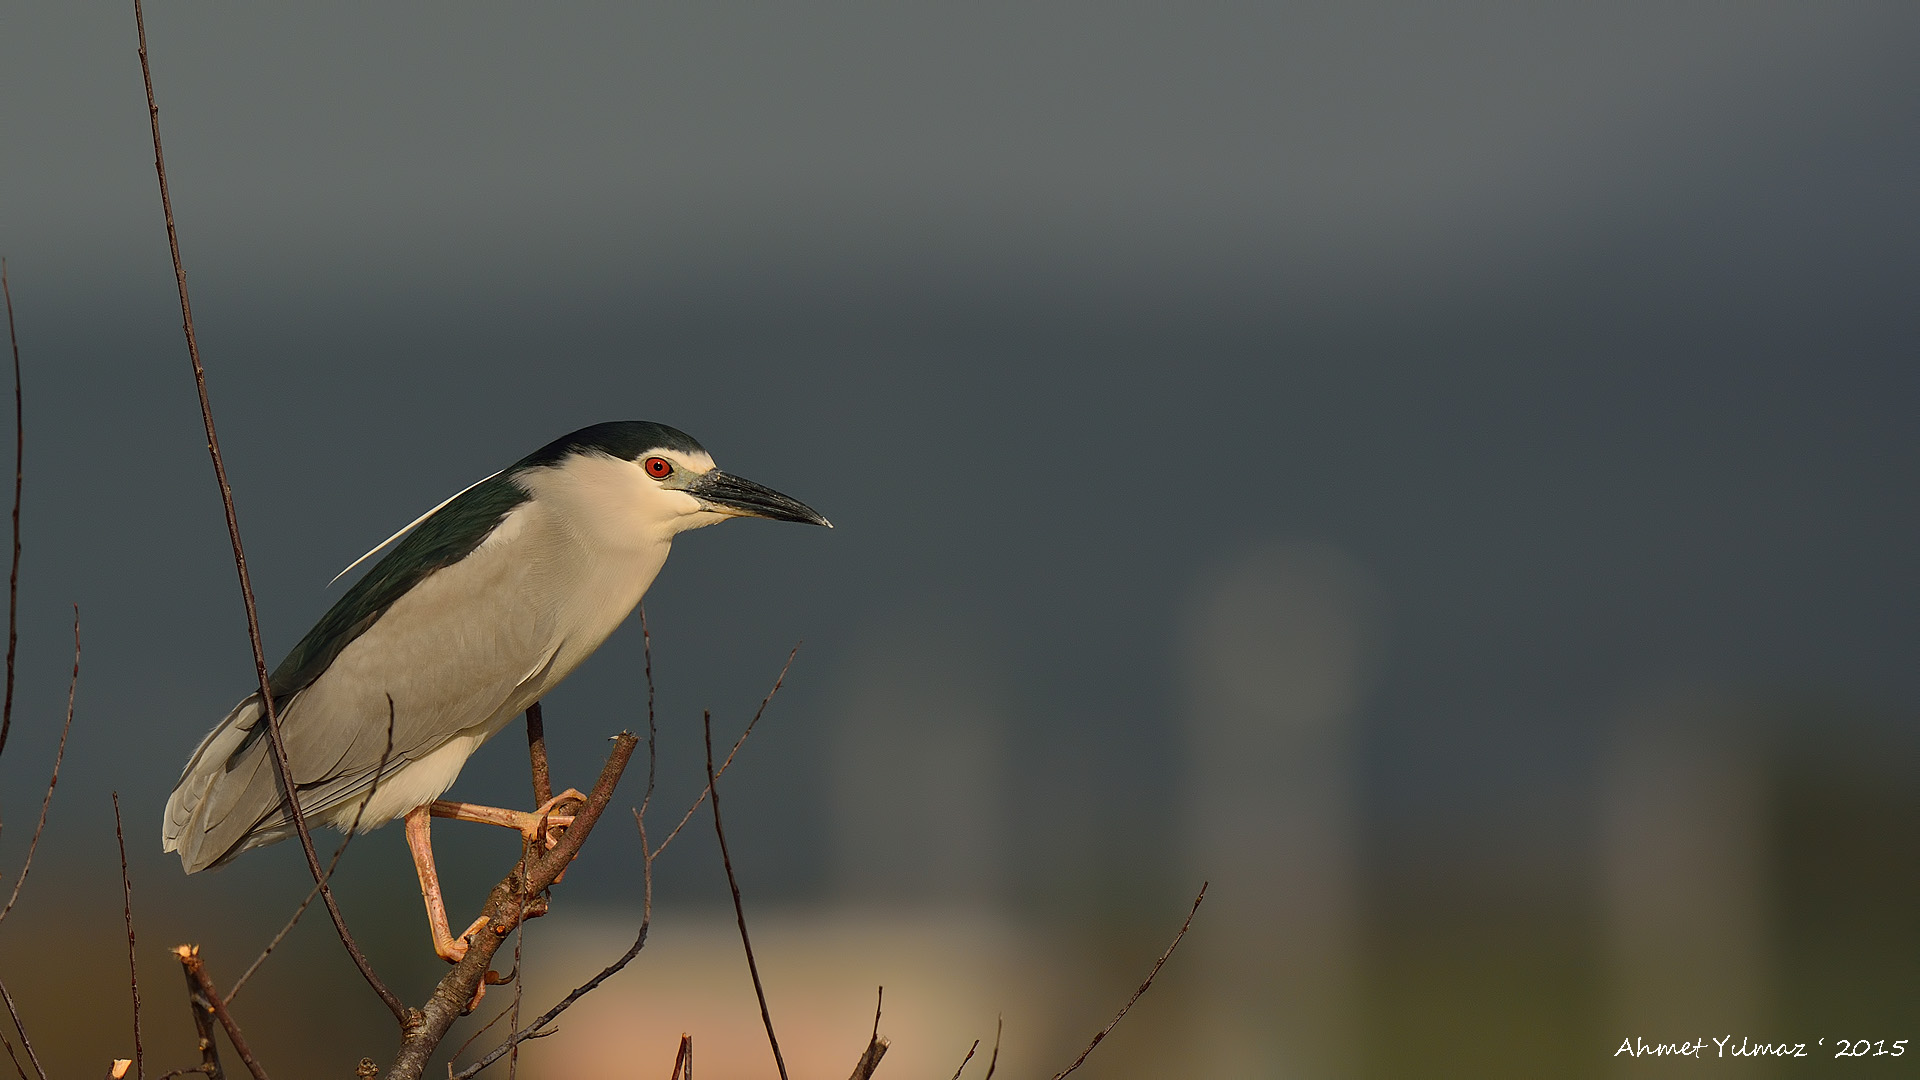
456 651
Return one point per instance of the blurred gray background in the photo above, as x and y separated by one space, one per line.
1437 471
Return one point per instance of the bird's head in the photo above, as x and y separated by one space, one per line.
699 493
642 478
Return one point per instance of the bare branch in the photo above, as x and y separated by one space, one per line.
19 475
537 751
964 1060
197 972
740 912
737 743
33 845
684 1057
535 1029
282 765
1103 1032
869 1061
20 1029
506 907
203 1021
876 1046
133 967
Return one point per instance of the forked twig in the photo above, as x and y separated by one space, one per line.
739 911
19 475
47 800
197 974
1103 1032
282 766
737 743
133 967
332 864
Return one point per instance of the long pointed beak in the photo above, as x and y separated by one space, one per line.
736 495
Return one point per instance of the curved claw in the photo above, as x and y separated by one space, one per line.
544 821
454 949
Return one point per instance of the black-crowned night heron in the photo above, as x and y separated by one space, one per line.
488 601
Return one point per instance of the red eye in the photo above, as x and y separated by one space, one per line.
659 468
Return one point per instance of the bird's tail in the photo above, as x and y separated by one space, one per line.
228 789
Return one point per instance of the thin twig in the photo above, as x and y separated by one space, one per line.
190 959
19 475
20 1029
332 864
513 1025
4 1041
1061 1075
964 1060
183 1072
537 751
737 743
653 754
739 911
484 1028
684 1057
282 764
47 800
999 1025
133 967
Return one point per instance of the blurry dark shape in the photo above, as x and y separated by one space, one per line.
1276 646
1843 817
1687 899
